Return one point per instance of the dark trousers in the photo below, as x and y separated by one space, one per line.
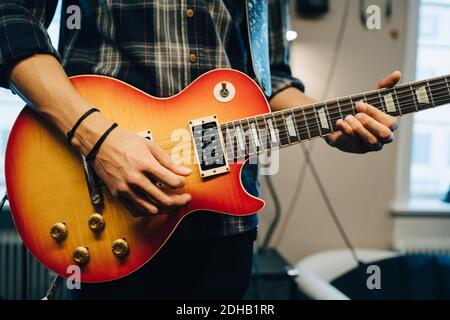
217 268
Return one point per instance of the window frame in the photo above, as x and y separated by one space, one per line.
404 205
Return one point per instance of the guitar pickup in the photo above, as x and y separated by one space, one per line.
209 147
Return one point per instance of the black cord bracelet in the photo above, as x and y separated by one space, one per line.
91 155
70 134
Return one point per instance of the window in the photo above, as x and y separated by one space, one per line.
10 105
430 161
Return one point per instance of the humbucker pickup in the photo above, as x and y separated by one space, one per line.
209 148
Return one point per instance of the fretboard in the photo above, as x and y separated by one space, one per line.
280 129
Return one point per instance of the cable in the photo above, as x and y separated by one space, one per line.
3 201
330 207
326 91
295 198
306 153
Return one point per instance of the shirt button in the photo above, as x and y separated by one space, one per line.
190 13
193 57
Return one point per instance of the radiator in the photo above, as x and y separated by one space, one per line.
425 245
17 283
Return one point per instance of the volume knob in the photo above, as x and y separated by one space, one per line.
80 255
120 248
59 231
96 223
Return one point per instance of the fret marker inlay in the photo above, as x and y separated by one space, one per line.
390 104
323 119
422 95
273 136
255 135
240 138
290 126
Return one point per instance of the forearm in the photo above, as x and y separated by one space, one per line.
290 98
44 85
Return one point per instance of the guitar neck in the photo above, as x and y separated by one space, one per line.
280 129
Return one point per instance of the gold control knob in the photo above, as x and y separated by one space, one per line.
80 255
59 231
96 223
120 248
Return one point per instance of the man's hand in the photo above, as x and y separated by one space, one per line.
370 129
130 166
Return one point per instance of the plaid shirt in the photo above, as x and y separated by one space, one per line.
158 46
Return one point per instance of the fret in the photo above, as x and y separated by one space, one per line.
262 132
448 86
248 136
345 104
355 99
323 120
389 102
439 92
306 123
292 128
279 124
373 98
431 93
294 117
288 125
421 92
231 145
255 139
334 114
312 122
340 110
416 105
399 107
365 99
380 98
403 97
327 113
273 131
353 106
241 145
300 121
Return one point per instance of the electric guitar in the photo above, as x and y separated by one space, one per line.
66 216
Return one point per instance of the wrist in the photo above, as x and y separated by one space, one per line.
89 131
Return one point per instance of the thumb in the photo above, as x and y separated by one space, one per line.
390 81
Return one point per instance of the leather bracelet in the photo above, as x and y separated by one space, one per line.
91 155
70 134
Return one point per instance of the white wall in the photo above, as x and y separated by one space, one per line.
361 187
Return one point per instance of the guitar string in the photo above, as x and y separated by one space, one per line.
283 133
431 83
279 147
278 115
237 154
283 136
302 129
310 110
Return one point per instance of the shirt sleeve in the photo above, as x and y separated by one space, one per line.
279 48
23 32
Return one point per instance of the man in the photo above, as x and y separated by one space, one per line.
160 47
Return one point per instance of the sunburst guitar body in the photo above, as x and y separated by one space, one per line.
50 197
